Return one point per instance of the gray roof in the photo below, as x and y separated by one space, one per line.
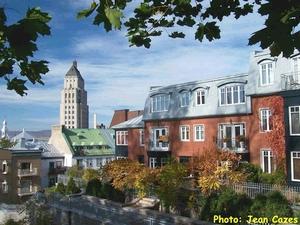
25 135
49 151
136 122
73 71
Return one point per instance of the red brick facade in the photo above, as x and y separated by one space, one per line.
256 139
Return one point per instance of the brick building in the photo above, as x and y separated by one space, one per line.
256 114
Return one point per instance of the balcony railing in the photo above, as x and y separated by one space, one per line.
27 172
58 170
158 146
233 144
290 81
29 190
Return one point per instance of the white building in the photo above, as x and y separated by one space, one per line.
74 110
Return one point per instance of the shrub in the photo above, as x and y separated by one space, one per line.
90 174
74 171
94 188
277 177
71 187
13 222
253 172
104 190
226 203
60 188
274 203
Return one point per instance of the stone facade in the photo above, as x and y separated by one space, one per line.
74 111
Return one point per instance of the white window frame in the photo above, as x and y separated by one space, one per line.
6 167
200 93
163 100
297 153
142 137
187 133
120 134
270 155
231 89
155 141
269 74
268 119
4 187
290 119
185 98
152 162
202 137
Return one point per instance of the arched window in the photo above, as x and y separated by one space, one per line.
266 72
184 98
160 102
200 96
232 94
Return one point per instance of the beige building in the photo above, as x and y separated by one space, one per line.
74 111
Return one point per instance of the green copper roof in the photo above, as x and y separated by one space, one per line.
88 142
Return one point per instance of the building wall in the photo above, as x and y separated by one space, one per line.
58 141
45 170
257 139
135 149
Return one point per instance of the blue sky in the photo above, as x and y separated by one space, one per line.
116 76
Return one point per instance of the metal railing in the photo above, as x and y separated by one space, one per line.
27 172
158 146
27 190
253 189
290 81
233 144
57 170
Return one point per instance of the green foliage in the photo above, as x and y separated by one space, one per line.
169 181
75 171
6 143
17 48
277 177
104 190
71 187
151 17
60 188
274 203
90 174
253 172
13 222
226 203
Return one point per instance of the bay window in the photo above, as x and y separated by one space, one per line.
160 103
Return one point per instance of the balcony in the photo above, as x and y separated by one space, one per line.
57 170
159 146
27 172
25 191
290 81
233 144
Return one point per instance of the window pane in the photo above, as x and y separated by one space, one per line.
229 95
296 167
222 96
295 123
242 94
235 94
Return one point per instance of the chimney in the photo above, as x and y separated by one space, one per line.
95 121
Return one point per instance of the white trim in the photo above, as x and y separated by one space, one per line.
271 75
292 166
122 132
270 155
142 131
196 97
225 87
166 108
290 120
180 133
194 127
261 120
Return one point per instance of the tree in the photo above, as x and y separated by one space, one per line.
17 48
216 169
90 174
60 188
151 18
6 143
170 181
75 171
71 187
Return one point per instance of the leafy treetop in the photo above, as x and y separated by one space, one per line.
153 17
17 48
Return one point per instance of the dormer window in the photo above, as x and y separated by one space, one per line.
230 95
160 103
200 97
184 98
266 73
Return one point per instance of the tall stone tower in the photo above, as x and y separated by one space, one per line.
74 111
